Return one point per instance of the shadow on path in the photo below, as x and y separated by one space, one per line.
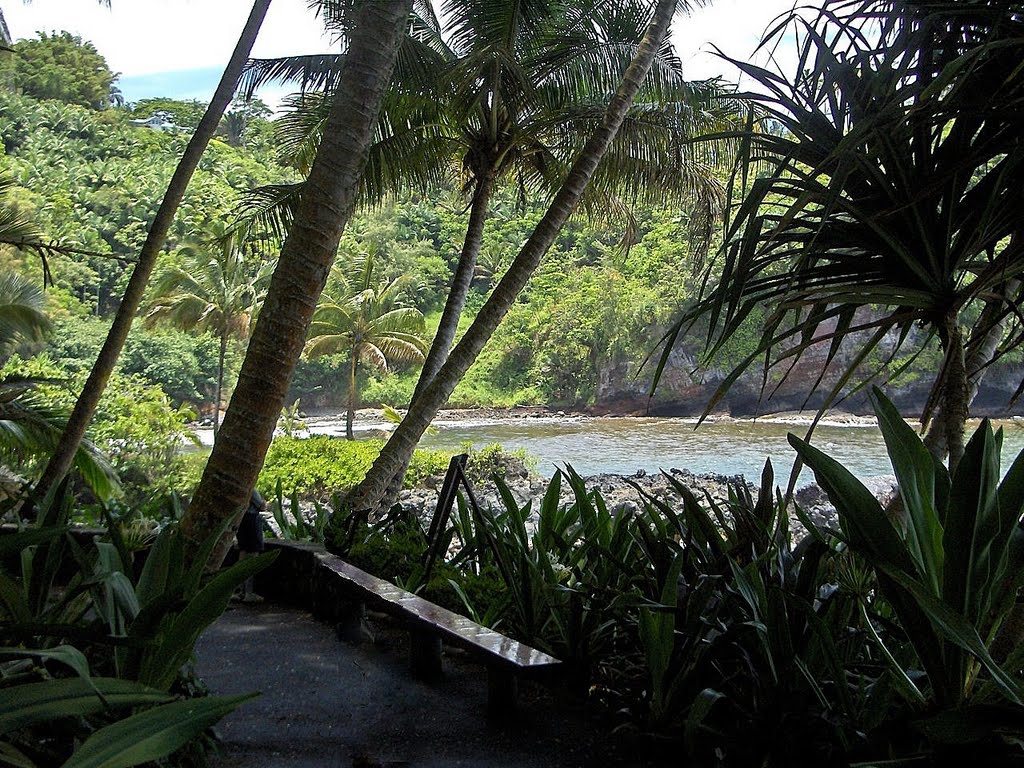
328 703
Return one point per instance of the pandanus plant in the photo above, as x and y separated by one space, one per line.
950 564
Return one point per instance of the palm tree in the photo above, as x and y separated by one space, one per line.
363 316
371 494
217 288
375 31
889 198
510 91
99 376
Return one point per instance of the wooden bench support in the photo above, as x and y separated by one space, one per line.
430 624
352 626
425 655
502 690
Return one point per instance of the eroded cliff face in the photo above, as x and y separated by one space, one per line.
686 388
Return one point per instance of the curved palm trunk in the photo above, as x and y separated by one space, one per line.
350 416
462 279
369 497
448 326
88 400
306 258
217 398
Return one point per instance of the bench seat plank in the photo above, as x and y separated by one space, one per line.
455 628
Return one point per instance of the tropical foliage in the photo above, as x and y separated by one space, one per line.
365 317
95 664
882 194
218 287
63 67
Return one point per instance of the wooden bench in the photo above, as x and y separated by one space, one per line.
507 660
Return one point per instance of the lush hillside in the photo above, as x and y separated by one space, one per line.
578 336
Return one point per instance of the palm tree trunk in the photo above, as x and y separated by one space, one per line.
367 497
220 383
88 400
306 257
350 416
461 281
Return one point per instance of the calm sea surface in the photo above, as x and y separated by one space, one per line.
625 445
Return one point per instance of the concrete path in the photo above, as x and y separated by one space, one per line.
328 703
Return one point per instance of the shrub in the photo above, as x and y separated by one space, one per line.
320 465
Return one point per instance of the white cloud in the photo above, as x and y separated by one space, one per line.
734 27
140 37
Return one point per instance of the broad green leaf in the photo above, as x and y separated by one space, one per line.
861 517
873 537
152 734
155 572
915 471
699 711
959 631
24 705
166 660
67 655
972 524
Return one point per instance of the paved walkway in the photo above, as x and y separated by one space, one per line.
328 703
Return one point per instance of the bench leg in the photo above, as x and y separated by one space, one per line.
425 654
352 625
502 691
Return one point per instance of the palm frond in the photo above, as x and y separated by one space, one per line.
312 72
21 311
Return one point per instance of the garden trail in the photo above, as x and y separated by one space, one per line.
329 703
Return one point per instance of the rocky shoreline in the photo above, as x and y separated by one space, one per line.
373 417
629 493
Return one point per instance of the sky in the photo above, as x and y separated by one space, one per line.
178 48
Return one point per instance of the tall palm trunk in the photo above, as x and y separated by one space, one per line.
306 258
350 416
218 397
88 400
462 279
369 496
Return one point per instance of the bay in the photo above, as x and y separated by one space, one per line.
627 444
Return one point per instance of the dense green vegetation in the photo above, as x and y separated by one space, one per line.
92 181
63 67
695 623
704 623
577 336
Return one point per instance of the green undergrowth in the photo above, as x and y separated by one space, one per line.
320 466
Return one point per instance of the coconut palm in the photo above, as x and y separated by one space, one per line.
372 493
363 316
218 288
510 92
373 36
889 198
